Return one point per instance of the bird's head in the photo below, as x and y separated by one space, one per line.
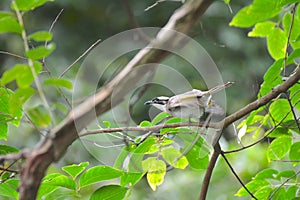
158 102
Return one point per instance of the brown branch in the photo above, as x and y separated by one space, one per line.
52 148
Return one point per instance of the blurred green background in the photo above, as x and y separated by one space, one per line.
239 59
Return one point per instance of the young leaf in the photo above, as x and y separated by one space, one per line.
60 180
40 52
30 4
277 41
280 111
145 124
253 186
262 29
174 157
279 147
21 73
272 78
295 153
97 174
263 193
59 82
267 174
256 12
17 100
156 171
160 117
107 124
41 36
10 25
286 174
40 116
130 178
4 149
7 191
74 170
135 160
196 160
109 192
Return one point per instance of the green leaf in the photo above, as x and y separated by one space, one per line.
262 29
4 149
4 14
291 192
135 162
277 132
60 180
10 25
60 193
97 174
44 190
252 186
145 124
279 147
3 131
25 5
174 157
74 170
198 158
21 73
280 111
40 116
156 171
267 174
287 19
59 82
107 124
263 193
277 41
7 191
40 52
272 78
280 194
41 36
160 117
256 12
131 178
109 192
17 100
286 174
295 153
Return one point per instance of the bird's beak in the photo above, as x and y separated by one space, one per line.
148 102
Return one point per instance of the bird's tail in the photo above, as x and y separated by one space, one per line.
219 87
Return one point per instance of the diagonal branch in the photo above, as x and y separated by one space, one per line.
241 113
52 148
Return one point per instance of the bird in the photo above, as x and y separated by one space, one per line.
192 104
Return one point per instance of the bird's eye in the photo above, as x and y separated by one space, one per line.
199 97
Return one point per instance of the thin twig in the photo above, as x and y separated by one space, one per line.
12 54
292 110
289 36
237 176
147 129
282 184
81 56
133 21
30 63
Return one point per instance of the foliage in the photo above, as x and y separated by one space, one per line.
153 155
